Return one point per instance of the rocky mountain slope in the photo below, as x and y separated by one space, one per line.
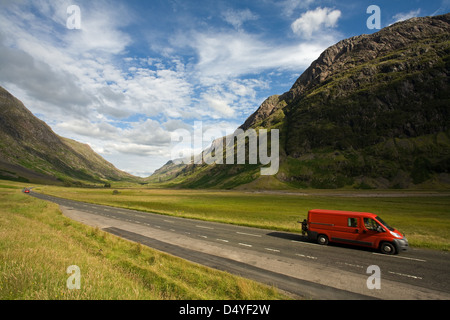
31 152
371 112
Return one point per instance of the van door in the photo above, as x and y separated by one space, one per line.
370 234
348 231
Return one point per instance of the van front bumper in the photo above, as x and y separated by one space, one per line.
401 244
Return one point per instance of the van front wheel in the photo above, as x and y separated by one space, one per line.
387 248
322 239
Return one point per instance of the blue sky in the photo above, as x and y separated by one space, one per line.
138 70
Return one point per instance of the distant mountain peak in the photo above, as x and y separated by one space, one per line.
363 48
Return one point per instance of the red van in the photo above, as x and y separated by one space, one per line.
358 228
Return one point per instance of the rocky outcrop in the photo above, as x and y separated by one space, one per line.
358 50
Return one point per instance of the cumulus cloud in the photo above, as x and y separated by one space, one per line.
40 80
89 87
314 21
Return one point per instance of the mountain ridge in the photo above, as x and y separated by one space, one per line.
370 112
31 152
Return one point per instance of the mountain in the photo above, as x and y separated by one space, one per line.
31 152
371 112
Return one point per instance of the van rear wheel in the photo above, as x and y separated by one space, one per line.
387 248
322 239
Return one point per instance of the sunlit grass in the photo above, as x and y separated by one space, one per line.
37 244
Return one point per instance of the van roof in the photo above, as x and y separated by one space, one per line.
340 212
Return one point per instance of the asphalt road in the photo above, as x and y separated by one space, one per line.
286 260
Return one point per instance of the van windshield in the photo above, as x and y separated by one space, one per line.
384 223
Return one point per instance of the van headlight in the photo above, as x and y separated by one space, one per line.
395 234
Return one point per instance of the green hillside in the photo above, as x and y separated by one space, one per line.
31 152
371 112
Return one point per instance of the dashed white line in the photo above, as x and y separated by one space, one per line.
223 240
309 243
203 227
245 244
350 264
400 257
305 256
203 236
249 234
406 275
273 250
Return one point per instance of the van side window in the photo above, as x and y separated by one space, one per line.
370 224
353 222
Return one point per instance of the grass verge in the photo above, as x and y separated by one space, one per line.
38 244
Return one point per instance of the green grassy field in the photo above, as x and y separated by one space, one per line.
424 220
38 244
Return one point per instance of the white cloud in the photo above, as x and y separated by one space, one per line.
238 17
85 82
314 21
98 130
219 106
291 6
234 54
406 15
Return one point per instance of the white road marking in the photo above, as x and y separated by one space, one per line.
274 250
245 245
309 243
203 236
399 257
304 256
169 221
223 240
249 234
205 227
406 275
350 265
